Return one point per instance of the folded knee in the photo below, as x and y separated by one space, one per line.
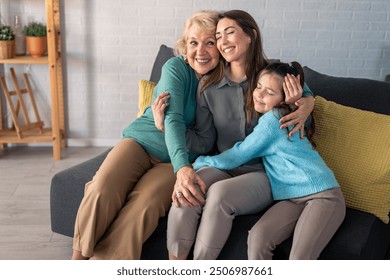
204 251
259 247
258 238
102 194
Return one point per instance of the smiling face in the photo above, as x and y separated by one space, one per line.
268 92
202 53
232 41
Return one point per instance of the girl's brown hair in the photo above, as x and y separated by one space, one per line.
282 69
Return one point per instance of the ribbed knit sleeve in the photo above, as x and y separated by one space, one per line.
293 167
256 144
307 91
172 81
179 79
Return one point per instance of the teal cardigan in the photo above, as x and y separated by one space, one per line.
179 79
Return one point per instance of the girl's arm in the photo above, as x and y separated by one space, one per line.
256 144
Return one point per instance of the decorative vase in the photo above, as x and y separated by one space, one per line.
20 39
7 49
36 46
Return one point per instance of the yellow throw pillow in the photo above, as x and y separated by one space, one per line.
356 146
145 95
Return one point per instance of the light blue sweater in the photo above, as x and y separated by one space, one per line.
216 126
294 168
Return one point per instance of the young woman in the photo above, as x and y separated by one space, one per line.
223 114
310 202
132 188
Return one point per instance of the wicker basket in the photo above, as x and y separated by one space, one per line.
7 49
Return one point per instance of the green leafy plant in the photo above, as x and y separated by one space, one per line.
6 33
35 29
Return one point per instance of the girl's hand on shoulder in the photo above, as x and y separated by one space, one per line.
292 88
158 109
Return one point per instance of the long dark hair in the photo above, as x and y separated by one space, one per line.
282 69
255 56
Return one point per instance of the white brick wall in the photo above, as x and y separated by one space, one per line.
109 45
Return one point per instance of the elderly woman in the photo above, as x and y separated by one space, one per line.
132 188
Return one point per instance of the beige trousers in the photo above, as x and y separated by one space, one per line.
312 220
244 190
123 203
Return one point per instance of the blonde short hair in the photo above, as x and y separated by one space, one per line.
205 19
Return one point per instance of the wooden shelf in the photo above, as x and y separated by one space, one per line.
30 136
25 60
54 134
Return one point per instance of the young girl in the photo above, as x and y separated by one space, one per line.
310 203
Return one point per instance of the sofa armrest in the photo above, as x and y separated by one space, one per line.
66 192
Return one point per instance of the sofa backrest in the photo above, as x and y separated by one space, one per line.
359 93
163 55
365 94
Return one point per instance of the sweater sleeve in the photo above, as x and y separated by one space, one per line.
174 77
306 91
256 144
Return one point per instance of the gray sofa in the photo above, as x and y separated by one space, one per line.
361 235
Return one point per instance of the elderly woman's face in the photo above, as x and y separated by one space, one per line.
202 52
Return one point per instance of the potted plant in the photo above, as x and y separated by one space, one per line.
36 38
7 42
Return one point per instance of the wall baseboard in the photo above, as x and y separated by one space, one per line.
91 142
76 143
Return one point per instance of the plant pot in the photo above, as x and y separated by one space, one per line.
7 49
36 46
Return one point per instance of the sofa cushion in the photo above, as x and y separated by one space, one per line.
163 55
145 95
356 146
359 93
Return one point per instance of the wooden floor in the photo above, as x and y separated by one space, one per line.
25 175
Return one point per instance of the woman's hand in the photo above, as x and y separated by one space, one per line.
292 88
158 109
299 117
189 188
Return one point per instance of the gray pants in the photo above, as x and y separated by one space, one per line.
312 220
241 191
